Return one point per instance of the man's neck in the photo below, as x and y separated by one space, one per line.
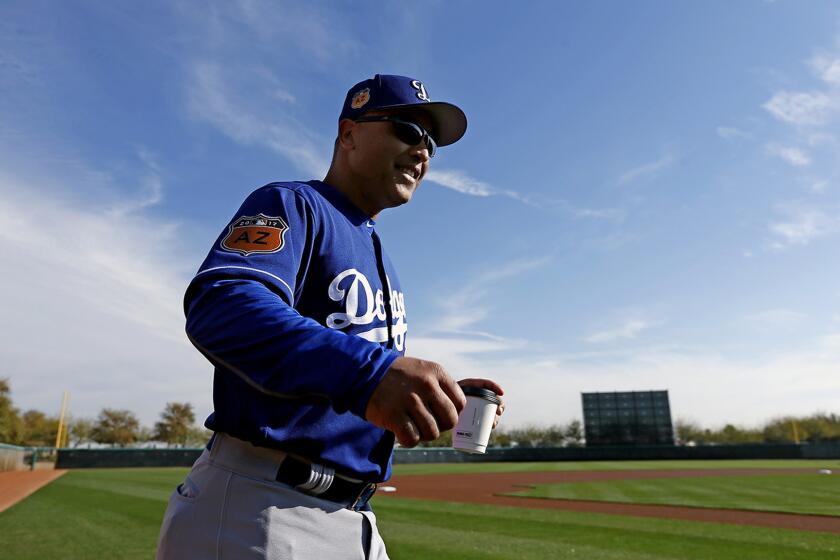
345 185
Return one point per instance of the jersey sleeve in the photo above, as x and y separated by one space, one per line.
269 240
241 316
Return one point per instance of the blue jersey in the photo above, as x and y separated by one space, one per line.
301 313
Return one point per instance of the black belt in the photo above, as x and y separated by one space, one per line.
355 495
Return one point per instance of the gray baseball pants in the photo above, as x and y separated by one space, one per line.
231 507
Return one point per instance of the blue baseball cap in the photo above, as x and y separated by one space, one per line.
386 91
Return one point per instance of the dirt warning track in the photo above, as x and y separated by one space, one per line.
485 488
16 485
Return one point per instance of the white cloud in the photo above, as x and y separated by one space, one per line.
647 170
211 100
94 302
249 29
802 226
513 269
827 68
775 319
831 342
275 88
615 214
628 329
702 384
818 186
801 108
793 156
460 181
151 188
731 133
270 21
467 307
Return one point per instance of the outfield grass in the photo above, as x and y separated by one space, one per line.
90 513
455 468
807 493
103 513
423 530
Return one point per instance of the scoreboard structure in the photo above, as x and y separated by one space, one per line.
627 418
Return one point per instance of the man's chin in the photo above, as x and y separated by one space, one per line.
394 202
403 193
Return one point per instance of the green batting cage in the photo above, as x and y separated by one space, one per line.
627 418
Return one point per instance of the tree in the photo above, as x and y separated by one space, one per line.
443 440
553 436
39 430
175 423
782 430
118 427
81 430
688 431
145 434
537 436
499 437
733 434
198 436
820 427
573 434
11 426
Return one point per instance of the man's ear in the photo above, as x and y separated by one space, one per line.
346 129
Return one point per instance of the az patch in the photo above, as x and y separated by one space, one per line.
255 234
360 99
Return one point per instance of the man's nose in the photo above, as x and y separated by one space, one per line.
420 151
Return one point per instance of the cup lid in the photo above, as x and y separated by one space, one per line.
485 394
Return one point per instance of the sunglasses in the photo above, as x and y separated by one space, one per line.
408 132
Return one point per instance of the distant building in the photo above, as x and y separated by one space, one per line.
627 418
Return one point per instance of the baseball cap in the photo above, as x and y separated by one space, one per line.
387 91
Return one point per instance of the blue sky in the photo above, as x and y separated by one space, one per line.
647 197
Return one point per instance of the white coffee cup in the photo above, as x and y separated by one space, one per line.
476 420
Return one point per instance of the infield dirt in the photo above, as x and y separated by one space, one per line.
488 488
16 485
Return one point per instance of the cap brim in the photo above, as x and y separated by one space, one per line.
449 120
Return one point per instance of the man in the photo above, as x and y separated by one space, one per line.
300 311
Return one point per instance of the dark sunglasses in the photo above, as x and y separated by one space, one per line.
408 132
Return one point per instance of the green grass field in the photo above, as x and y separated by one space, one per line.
116 513
427 530
454 468
807 493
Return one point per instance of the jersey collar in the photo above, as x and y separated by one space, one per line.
343 204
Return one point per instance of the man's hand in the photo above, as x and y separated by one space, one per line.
417 400
493 386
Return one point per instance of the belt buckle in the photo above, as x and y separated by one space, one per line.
364 497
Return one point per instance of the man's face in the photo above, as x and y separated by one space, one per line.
390 170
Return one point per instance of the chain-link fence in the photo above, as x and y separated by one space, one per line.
16 458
